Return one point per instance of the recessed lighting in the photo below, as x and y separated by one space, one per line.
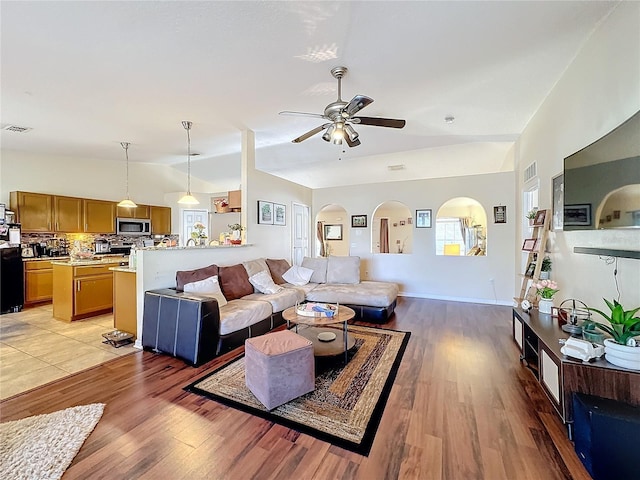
449 119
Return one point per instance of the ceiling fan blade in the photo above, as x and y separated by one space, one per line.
354 143
379 122
356 104
310 133
305 114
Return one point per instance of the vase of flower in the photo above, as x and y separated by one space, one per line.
544 305
546 289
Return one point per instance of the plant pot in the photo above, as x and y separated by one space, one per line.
221 209
622 355
544 305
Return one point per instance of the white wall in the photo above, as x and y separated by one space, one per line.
598 91
422 273
332 217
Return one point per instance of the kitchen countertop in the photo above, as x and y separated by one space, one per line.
44 259
75 263
123 269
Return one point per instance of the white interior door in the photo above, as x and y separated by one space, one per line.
301 245
189 218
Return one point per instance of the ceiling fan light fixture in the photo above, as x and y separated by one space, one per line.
353 135
127 202
338 133
188 199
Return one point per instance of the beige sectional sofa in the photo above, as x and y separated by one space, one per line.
244 311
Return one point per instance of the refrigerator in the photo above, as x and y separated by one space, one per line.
11 280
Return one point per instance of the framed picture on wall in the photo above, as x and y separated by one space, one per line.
500 214
279 214
557 201
265 213
423 218
358 221
333 232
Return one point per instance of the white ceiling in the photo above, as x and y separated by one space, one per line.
87 75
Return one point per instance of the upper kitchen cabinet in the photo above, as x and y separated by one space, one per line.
33 210
141 211
235 200
67 214
99 216
160 220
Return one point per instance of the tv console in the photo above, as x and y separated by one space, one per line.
537 337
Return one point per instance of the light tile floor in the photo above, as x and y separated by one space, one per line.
35 348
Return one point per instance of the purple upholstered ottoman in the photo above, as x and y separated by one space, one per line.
279 367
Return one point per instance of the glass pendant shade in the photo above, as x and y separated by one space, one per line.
127 202
188 199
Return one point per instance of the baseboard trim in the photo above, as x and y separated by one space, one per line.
485 301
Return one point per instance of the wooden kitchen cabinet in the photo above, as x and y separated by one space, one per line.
38 281
235 200
82 291
160 220
141 211
125 314
34 211
67 214
99 216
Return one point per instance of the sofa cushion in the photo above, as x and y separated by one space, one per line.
254 266
234 281
298 275
303 288
263 282
239 314
190 276
280 301
372 294
208 287
343 270
319 267
277 268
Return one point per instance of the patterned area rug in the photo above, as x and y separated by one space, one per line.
43 446
347 404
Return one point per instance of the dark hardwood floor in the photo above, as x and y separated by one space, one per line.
462 407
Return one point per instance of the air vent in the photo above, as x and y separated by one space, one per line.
530 172
16 129
400 166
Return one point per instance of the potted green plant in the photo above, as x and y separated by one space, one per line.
545 268
531 215
236 233
622 349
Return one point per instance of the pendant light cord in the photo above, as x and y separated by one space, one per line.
125 145
187 127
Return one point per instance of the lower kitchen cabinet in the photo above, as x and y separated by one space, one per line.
38 282
82 291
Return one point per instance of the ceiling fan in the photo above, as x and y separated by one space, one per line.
341 116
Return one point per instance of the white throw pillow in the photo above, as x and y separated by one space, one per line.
208 287
263 282
298 275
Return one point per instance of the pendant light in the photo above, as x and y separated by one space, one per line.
188 199
127 202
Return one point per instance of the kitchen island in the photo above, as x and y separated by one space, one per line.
83 288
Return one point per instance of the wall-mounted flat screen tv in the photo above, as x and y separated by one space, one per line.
602 181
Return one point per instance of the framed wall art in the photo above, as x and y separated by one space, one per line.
358 221
500 214
333 232
423 218
279 214
557 189
265 213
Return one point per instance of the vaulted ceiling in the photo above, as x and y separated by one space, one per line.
85 76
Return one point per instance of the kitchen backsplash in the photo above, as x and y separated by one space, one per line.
87 240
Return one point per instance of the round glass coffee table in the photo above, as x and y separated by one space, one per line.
327 342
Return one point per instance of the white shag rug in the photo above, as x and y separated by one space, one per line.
43 446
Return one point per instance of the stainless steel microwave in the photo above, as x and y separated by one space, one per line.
133 226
